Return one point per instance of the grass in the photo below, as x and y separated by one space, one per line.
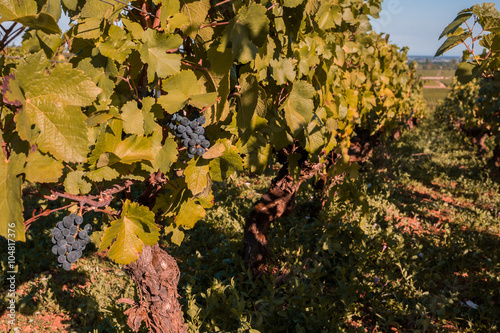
425 258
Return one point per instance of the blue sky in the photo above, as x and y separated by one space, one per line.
418 23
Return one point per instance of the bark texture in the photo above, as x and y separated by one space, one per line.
156 276
278 201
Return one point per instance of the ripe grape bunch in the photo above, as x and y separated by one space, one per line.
70 240
191 133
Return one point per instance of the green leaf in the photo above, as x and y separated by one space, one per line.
283 70
457 22
11 204
13 9
104 173
177 236
154 53
299 106
53 103
42 168
225 160
183 88
196 177
135 227
451 42
189 213
118 45
246 33
166 156
196 12
249 97
133 149
26 13
292 3
328 16
89 28
75 184
133 120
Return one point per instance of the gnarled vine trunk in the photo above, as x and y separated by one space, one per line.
278 201
156 275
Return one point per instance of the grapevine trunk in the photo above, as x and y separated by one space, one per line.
156 276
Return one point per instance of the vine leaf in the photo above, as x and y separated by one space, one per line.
42 168
25 12
246 32
196 13
299 106
75 184
189 213
153 53
52 102
166 156
11 204
135 227
182 89
226 162
117 46
196 177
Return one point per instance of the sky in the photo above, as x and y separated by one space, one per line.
418 23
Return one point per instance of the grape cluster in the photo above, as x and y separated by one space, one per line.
191 133
70 240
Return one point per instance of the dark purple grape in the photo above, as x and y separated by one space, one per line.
201 120
62 242
54 249
54 240
184 121
192 150
67 222
66 265
190 155
60 225
181 129
191 142
59 236
61 250
73 230
193 124
205 143
83 234
185 142
72 256
174 116
199 130
65 232
79 219
56 232
79 253
189 130
200 151
70 239
61 259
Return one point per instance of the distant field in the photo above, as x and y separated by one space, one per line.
435 95
436 72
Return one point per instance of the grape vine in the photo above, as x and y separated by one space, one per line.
127 98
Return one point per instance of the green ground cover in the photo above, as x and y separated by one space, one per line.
425 258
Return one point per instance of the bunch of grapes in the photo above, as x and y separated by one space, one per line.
191 133
70 240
